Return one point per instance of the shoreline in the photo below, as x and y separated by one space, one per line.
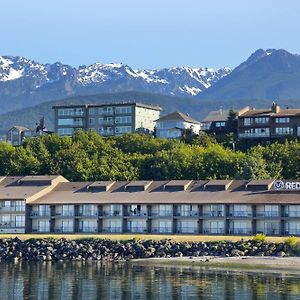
251 263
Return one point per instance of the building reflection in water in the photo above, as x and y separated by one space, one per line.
125 281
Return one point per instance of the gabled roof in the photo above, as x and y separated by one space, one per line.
19 128
178 116
217 116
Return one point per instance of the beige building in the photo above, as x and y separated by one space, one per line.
106 119
51 204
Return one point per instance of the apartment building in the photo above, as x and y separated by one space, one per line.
172 125
216 121
268 124
51 204
106 119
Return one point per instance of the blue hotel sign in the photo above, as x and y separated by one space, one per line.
280 185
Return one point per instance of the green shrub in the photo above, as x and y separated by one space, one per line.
259 237
291 241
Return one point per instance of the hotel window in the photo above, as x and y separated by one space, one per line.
65 131
20 221
205 125
123 110
68 122
123 120
92 111
105 111
68 210
20 205
284 131
282 120
6 204
262 120
70 112
248 121
220 124
44 226
123 129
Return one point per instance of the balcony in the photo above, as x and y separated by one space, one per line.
40 230
161 230
87 214
272 232
242 214
112 229
187 214
40 214
136 214
106 122
63 229
88 229
111 213
292 214
137 230
65 214
12 209
240 231
268 214
254 135
162 213
187 230
292 232
213 213
8 225
213 230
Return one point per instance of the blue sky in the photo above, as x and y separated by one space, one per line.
147 33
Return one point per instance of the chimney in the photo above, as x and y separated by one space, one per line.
275 108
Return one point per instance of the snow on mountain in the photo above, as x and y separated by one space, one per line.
182 81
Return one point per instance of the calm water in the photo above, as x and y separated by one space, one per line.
96 281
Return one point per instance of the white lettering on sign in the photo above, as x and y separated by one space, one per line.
288 185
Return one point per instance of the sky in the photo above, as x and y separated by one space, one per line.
147 33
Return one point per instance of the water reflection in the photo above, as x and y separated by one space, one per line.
108 281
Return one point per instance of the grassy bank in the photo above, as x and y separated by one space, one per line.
122 237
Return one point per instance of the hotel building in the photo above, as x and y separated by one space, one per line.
268 124
106 119
52 204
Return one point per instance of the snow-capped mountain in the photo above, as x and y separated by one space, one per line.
24 82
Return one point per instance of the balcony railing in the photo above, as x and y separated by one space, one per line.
161 230
106 122
137 230
241 213
213 230
7 224
111 213
213 213
112 229
267 214
253 135
240 231
292 214
187 230
65 214
40 230
136 214
64 229
292 232
272 232
40 214
187 214
12 209
88 229
88 213
162 213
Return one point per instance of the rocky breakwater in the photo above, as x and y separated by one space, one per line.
102 249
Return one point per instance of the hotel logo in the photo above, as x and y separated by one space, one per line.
279 185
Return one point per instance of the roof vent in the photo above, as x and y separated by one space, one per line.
137 185
217 185
177 185
100 186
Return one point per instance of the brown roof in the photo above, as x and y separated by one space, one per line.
178 116
77 193
270 113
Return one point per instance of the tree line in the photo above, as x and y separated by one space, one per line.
87 156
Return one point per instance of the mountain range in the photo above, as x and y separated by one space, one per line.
24 82
28 89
